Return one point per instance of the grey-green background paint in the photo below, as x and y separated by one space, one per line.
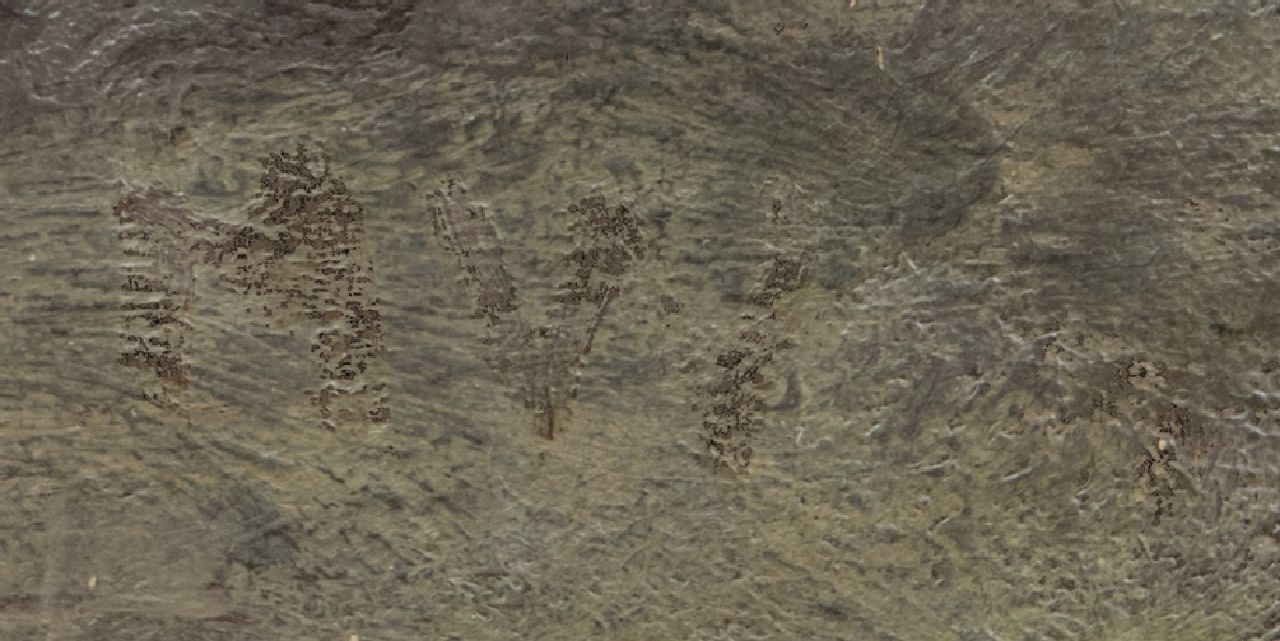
1033 392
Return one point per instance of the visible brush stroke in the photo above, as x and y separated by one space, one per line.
470 232
733 402
542 359
161 240
303 252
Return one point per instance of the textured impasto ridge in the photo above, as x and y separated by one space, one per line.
542 360
732 403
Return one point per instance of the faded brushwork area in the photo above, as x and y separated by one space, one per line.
709 319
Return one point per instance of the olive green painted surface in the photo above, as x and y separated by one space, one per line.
945 320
